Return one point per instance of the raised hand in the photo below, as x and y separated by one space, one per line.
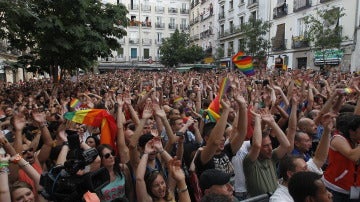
19 121
39 117
149 147
175 170
148 111
159 112
266 116
157 143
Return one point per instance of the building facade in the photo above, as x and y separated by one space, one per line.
288 40
150 22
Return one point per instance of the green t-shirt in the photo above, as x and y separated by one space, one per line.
260 175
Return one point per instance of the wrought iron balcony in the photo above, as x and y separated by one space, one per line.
133 7
299 42
146 8
278 44
133 40
172 10
159 9
301 5
280 11
252 3
184 11
172 26
160 25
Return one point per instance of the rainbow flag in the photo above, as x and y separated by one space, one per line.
97 118
75 103
244 63
178 99
214 107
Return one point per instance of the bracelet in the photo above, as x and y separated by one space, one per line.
182 190
4 164
25 164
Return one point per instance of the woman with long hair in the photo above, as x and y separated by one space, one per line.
153 186
120 185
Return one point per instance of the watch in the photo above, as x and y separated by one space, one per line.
179 133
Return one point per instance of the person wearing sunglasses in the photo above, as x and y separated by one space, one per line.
120 185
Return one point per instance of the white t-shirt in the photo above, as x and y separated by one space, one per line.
282 194
237 161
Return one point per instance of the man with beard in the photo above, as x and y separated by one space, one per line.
28 151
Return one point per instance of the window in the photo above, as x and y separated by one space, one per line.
120 52
301 27
158 19
231 25
231 4
133 53
241 46
183 6
159 36
146 53
172 21
253 15
241 21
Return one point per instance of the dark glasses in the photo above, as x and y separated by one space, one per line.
26 151
107 155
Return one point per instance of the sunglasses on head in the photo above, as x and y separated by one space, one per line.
107 155
27 150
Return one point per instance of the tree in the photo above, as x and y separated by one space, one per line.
177 49
324 30
254 33
69 34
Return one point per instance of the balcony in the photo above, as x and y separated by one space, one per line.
160 25
121 41
146 24
146 41
184 27
195 37
278 44
159 9
133 40
300 5
222 16
184 11
172 10
252 3
203 1
206 33
158 42
299 42
324 1
146 8
280 11
134 7
173 26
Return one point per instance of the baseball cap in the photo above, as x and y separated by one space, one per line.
212 177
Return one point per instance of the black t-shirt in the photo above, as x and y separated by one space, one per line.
220 161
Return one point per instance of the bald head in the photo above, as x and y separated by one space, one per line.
308 126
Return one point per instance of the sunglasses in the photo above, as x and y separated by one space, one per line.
107 155
26 151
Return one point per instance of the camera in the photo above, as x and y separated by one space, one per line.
62 183
258 81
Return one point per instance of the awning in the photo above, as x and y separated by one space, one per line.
209 60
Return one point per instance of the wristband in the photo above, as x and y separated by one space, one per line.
4 164
4 170
182 190
65 143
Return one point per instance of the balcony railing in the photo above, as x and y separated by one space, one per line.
172 10
184 27
228 32
203 1
134 7
184 11
206 33
160 25
324 1
299 42
221 16
121 41
278 44
158 42
146 41
301 5
280 11
146 8
252 3
173 26
159 9
133 40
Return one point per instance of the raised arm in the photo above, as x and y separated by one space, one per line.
4 185
241 128
141 191
256 138
290 132
284 146
322 149
45 150
215 135
120 140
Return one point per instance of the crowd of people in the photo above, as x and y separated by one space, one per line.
278 135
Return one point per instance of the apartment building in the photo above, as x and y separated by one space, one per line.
150 22
204 25
288 30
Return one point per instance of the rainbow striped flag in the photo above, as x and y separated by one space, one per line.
214 107
244 63
97 118
178 99
75 103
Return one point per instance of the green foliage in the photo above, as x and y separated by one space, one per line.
67 33
220 53
254 34
177 49
324 29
